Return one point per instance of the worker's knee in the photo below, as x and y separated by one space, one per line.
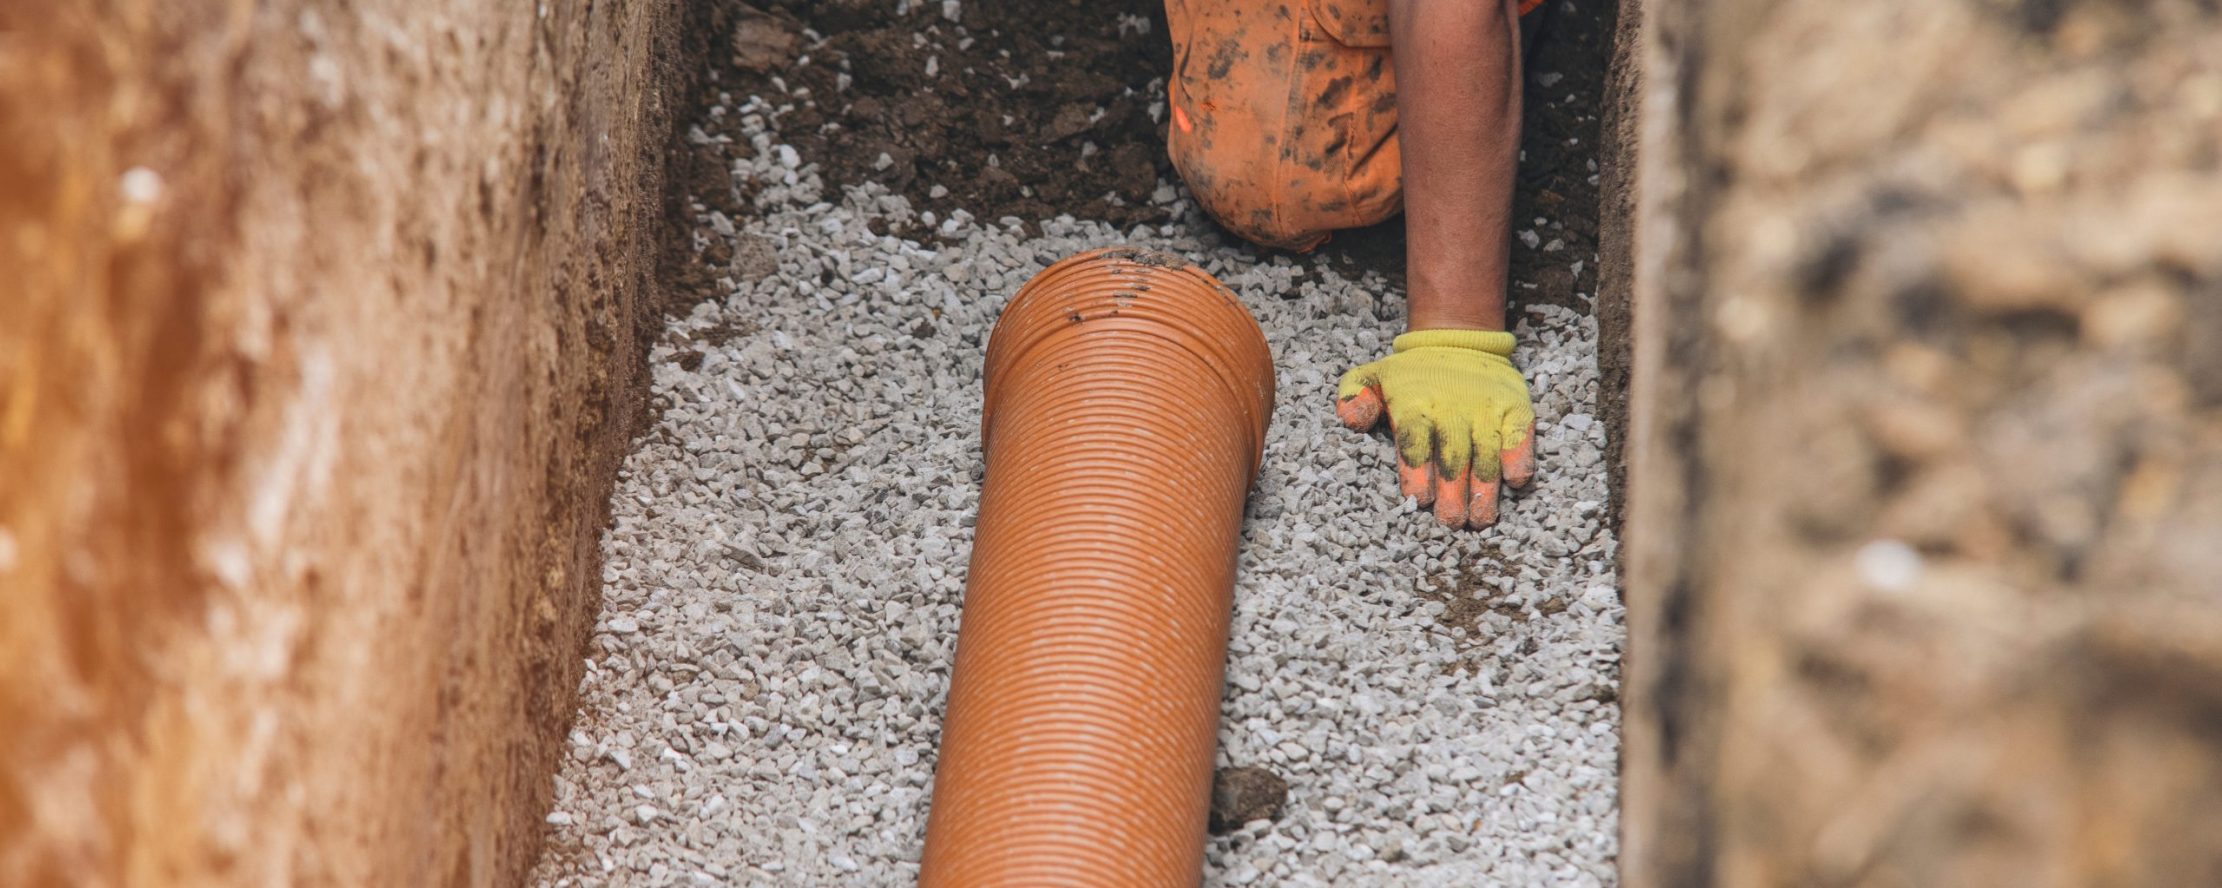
1284 116
1276 190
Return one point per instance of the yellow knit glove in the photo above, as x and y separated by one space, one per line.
1460 412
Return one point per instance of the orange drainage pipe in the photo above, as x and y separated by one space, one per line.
1127 399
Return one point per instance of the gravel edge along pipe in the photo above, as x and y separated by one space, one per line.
1127 398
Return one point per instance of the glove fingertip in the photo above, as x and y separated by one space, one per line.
1451 500
1481 507
1519 459
1417 482
1359 411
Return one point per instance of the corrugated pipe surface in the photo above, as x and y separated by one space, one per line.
1127 399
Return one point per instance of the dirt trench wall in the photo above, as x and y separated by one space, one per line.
317 353
1926 498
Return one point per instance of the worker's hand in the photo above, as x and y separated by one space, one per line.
1460 413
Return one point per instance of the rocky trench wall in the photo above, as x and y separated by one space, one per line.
1926 448
319 345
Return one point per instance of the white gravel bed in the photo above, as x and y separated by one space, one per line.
783 577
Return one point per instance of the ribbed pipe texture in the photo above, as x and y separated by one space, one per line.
1127 399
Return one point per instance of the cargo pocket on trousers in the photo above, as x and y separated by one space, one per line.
1347 102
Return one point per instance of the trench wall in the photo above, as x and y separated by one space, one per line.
1926 447
317 354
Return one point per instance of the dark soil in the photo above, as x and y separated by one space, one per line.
1031 109
1559 171
1240 795
1040 109
1470 598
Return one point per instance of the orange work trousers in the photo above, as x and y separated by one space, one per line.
1284 114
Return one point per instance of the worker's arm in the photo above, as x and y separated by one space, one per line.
1458 116
1459 409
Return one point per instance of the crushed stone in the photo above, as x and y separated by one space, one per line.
787 556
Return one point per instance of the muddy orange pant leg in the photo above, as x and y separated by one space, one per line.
1284 115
